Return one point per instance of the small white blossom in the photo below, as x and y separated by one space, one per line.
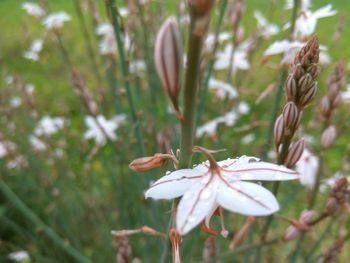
210 40
346 94
123 11
15 102
48 125
107 44
101 129
16 163
222 89
240 60
247 139
36 143
34 50
137 66
33 9
19 256
307 166
205 188
55 21
266 29
6 147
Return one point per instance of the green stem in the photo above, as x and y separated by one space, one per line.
190 94
211 62
125 72
316 186
35 220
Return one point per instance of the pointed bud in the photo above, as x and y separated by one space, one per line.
305 83
325 106
294 153
313 71
242 233
298 71
290 115
145 164
291 87
168 59
328 137
202 7
279 130
307 97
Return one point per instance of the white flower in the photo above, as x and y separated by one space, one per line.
205 188
290 48
266 29
107 44
6 147
123 11
33 9
249 138
36 143
346 94
304 4
18 162
307 166
15 102
56 20
48 125
34 50
240 60
137 66
210 40
222 89
101 129
19 256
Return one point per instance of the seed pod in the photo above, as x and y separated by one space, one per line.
168 59
279 130
291 87
290 116
145 164
328 137
295 152
307 97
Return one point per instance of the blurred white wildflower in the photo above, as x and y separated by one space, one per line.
205 187
307 166
101 129
15 102
36 143
265 28
290 48
249 138
240 60
305 24
107 44
34 50
304 4
331 181
48 125
229 119
6 147
19 256
33 9
55 21
222 89
9 79
346 94
184 19
16 163
210 40
123 11
137 66
29 88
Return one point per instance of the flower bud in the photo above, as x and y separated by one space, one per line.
290 115
202 7
168 59
279 130
291 87
242 233
328 137
294 153
145 164
305 83
325 106
308 96
313 71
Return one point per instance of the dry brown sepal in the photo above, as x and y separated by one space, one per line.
201 14
338 196
142 230
168 59
242 233
175 240
210 249
301 85
148 163
294 153
332 254
124 254
83 93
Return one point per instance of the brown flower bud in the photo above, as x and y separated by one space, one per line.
305 83
145 164
336 101
307 97
331 205
168 59
290 115
291 87
202 7
242 233
313 71
294 153
298 71
325 106
328 137
279 130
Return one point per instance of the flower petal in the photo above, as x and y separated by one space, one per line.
247 199
174 184
195 205
250 168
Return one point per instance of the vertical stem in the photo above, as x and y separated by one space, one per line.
190 94
125 72
35 220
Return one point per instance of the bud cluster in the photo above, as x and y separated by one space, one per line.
301 85
338 196
330 101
